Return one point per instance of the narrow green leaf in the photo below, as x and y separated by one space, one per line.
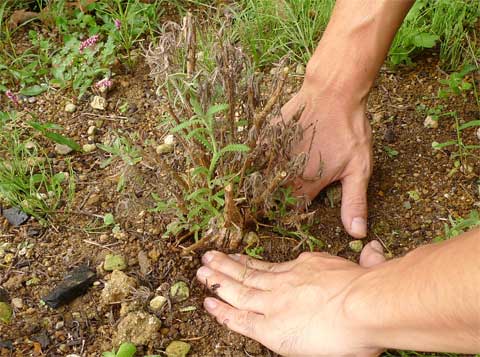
185 125
469 124
60 139
235 148
33 90
217 109
438 146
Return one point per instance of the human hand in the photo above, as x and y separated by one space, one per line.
337 137
295 308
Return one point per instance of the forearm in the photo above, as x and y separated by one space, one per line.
428 300
355 44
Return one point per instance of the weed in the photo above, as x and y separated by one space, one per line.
457 226
272 29
121 150
456 83
27 179
126 349
391 152
432 22
46 130
79 63
232 161
127 22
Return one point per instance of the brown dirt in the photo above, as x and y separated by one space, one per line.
74 237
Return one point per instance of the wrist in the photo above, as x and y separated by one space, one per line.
338 76
418 295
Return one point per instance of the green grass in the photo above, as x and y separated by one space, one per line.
49 63
27 178
447 23
272 29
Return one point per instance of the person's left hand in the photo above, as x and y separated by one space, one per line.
295 308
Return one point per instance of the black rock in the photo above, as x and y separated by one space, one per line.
15 216
74 284
4 296
389 136
33 232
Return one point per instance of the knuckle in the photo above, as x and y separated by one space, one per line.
304 256
245 322
244 297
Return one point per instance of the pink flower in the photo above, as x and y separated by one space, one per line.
89 42
118 24
104 84
12 96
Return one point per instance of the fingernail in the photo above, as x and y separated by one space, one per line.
210 304
204 273
207 257
235 257
359 226
376 246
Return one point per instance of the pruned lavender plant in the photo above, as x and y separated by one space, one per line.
234 152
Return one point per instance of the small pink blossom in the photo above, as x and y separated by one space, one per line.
104 84
89 42
118 24
12 96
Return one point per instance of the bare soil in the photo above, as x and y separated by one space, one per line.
74 236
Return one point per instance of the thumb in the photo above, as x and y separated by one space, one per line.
354 205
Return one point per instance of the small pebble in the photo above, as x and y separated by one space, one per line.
114 262
157 303
169 140
91 130
63 149
59 325
478 133
300 70
164 149
89 148
430 123
70 108
32 100
177 349
17 303
356 245
98 103
179 291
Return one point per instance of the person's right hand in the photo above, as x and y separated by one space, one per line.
337 137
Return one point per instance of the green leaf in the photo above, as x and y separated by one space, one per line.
438 146
197 108
425 40
185 125
58 138
108 354
217 109
33 90
235 148
200 171
197 193
469 124
108 219
126 349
